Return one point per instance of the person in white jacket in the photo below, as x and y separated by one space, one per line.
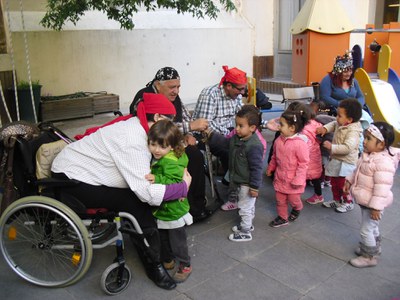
370 184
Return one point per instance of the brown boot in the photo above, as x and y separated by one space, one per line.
363 261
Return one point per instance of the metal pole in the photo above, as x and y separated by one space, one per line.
371 30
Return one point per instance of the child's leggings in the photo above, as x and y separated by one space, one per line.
337 189
282 201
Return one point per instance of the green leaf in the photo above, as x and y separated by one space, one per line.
61 11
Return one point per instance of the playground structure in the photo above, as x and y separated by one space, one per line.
382 93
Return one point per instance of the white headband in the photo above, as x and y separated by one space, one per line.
375 132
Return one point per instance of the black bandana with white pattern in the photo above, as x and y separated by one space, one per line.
166 73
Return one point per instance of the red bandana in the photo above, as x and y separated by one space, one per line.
234 76
154 104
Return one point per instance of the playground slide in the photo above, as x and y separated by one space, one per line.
394 80
382 101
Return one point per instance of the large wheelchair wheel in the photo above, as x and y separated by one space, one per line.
36 243
114 283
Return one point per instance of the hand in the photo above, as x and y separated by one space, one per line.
321 130
253 194
150 177
346 187
375 214
190 140
200 124
327 145
187 178
269 173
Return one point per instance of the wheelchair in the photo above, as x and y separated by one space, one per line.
47 237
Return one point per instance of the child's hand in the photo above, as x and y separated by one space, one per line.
253 194
150 178
346 187
181 199
327 145
321 130
269 173
375 214
190 140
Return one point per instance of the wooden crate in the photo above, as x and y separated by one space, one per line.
55 110
105 103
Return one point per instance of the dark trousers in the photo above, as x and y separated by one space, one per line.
174 245
317 186
118 200
197 193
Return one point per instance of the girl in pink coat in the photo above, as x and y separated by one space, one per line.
289 164
315 165
370 184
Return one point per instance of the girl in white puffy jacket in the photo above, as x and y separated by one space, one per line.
370 184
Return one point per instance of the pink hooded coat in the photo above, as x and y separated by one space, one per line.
372 180
290 162
315 164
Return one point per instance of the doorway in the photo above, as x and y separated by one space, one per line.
286 12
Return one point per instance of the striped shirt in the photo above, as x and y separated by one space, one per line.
219 109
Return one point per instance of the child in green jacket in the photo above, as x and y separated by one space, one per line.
169 161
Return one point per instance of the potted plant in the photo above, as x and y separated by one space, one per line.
25 101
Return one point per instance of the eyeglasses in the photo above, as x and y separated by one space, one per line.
239 89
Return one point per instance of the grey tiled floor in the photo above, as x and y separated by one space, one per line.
306 260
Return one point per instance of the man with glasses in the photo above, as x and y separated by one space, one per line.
219 104
167 82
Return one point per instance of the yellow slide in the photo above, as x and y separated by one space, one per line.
382 101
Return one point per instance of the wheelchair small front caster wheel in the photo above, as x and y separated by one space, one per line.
111 283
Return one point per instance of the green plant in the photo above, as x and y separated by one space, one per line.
61 11
23 85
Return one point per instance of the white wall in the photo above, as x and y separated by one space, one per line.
96 55
122 62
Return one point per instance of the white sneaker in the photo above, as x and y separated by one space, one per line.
332 204
240 237
345 207
238 228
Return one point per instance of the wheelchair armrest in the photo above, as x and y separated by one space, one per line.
57 182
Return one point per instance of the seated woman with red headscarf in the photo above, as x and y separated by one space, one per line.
111 164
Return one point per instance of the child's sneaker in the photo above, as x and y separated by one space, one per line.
229 206
182 273
240 237
327 183
278 222
345 207
332 204
238 228
315 199
294 214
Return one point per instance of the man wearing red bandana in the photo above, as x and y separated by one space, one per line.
110 165
219 104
